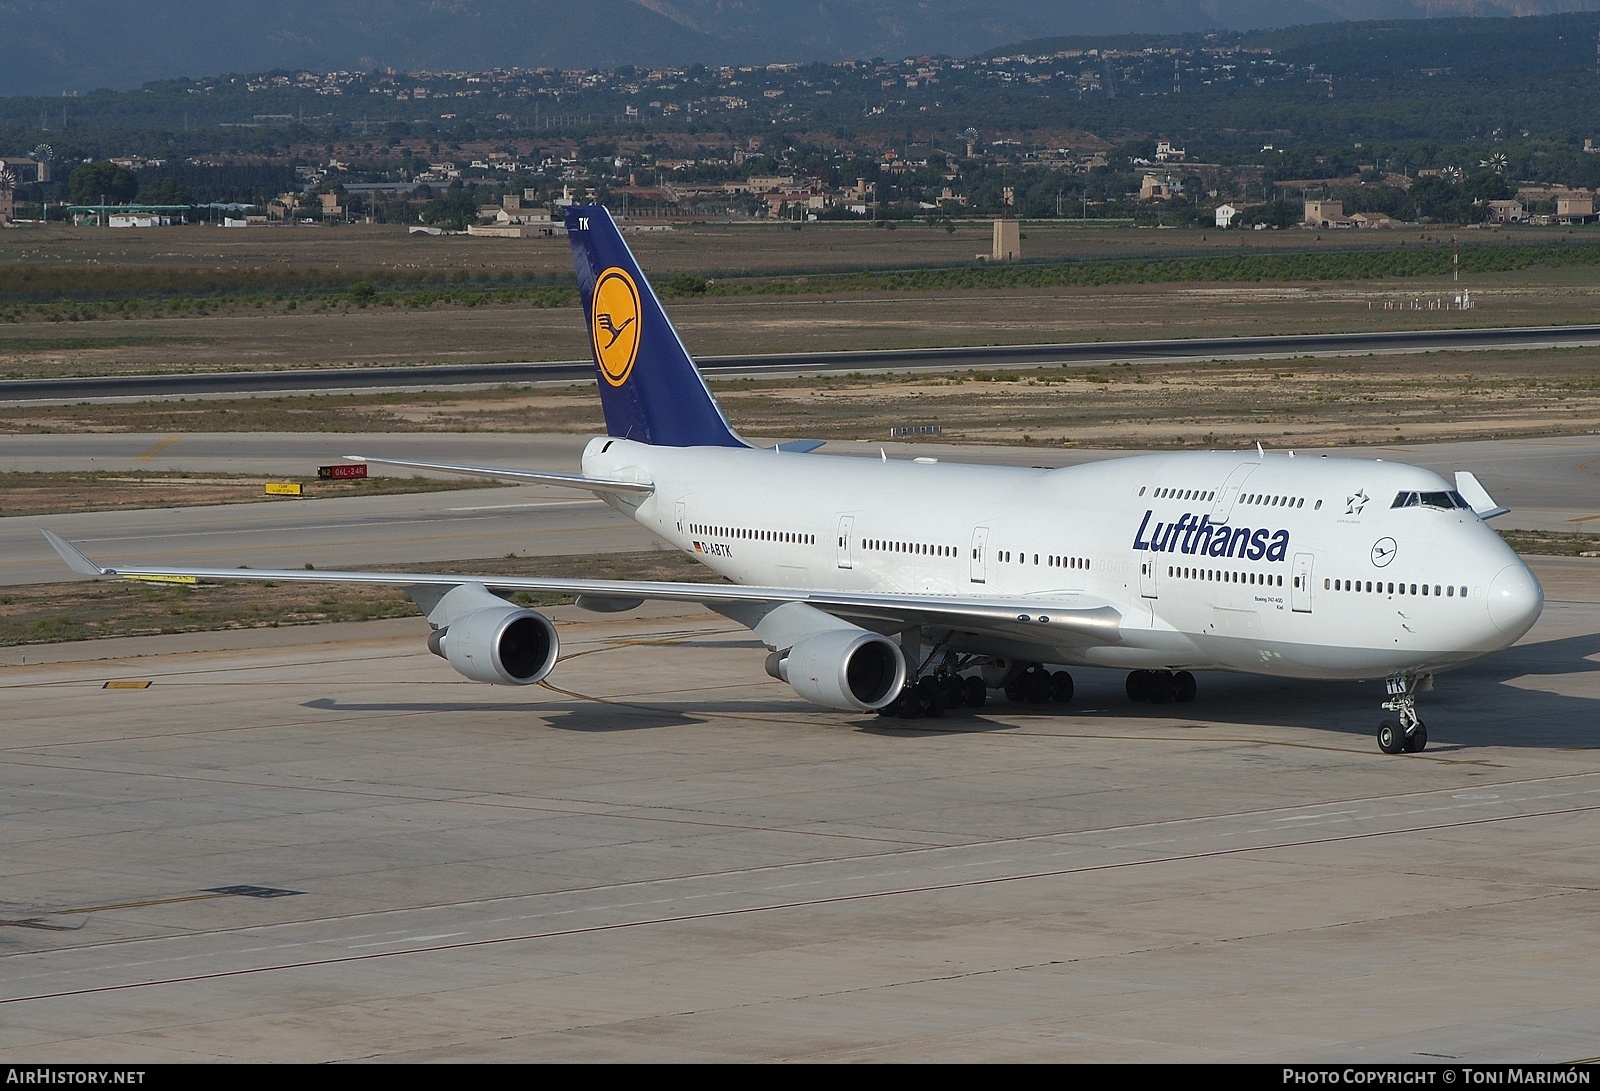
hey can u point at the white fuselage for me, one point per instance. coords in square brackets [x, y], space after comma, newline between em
[1299, 567]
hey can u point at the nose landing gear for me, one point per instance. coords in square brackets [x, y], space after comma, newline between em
[1407, 734]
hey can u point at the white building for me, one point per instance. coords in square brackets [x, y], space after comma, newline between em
[1225, 215]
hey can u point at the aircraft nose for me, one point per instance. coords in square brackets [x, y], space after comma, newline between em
[1515, 599]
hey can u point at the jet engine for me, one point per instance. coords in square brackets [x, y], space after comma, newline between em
[845, 668]
[503, 645]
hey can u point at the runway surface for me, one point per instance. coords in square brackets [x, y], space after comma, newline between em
[442, 376]
[321, 844]
[1550, 484]
[340, 851]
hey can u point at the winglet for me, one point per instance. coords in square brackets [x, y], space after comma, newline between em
[1476, 496]
[71, 554]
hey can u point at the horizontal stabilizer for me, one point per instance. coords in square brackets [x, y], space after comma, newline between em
[535, 477]
[1477, 497]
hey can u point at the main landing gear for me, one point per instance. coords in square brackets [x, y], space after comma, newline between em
[1407, 734]
[934, 694]
[1036, 685]
[1160, 687]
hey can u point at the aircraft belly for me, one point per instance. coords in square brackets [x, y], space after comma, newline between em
[1297, 659]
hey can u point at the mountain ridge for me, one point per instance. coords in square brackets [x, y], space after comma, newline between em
[64, 46]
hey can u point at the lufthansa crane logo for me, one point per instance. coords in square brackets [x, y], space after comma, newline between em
[615, 325]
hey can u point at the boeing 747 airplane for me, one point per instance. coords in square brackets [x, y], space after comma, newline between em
[909, 587]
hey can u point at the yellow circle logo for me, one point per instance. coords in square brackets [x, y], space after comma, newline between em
[615, 325]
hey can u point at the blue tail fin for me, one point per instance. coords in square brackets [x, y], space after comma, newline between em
[649, 387]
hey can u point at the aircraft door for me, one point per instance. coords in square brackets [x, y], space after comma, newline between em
[678, 513]
[1223, 507]
[847, 525]
[1300, 591]
[980, 554]
[1147, 575]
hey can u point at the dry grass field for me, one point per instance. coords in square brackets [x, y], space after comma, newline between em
[1296, 403]
[1301, 402]
[717, 326]
[704, 249]
[243, 335]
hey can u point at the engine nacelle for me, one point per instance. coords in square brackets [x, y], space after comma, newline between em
[503, 645]
[846, 668]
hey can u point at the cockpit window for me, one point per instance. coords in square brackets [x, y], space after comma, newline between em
[1442, 501]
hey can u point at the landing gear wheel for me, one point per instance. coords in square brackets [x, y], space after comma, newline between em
[1407, 734]
[932, 696]
[977, 692]
[1161, 687]
[1184, 687]
[909, 705]
[1061, 687]
[1039, 686]
[1391, 740]
[1138, 685]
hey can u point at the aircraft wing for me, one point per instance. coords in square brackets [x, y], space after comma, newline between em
[536, 477]
[1067, 619]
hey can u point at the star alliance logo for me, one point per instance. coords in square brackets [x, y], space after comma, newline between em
[1354, 503]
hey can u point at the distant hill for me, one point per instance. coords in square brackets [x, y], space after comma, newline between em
[51, 46]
